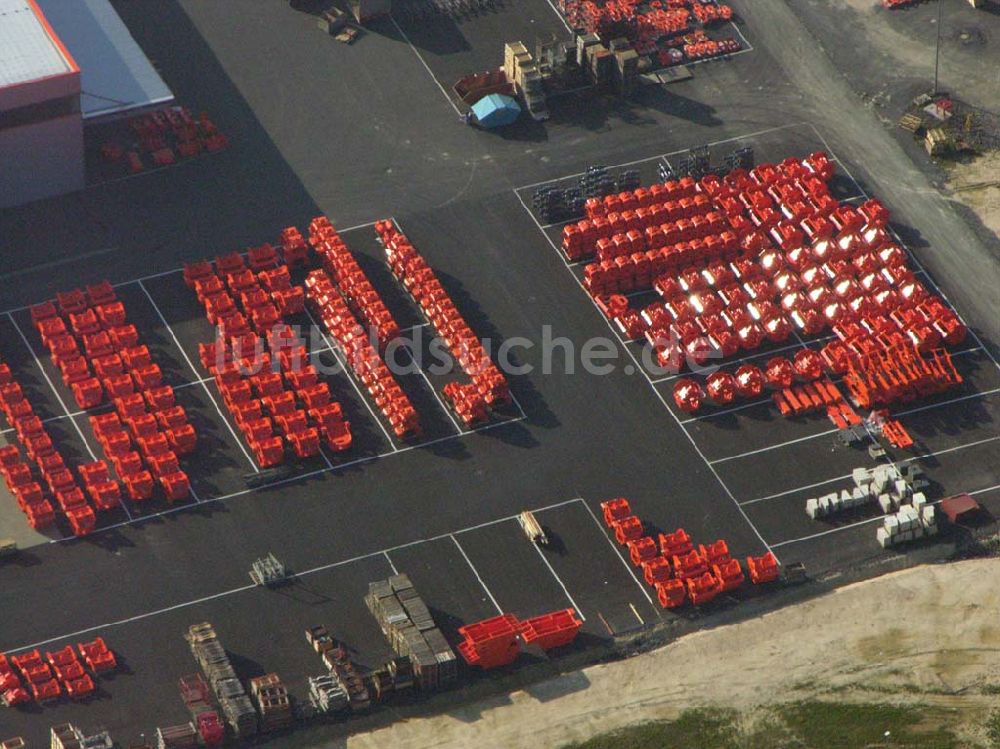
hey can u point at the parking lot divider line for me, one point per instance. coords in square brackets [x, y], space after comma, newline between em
[475, 571]
[194, 371]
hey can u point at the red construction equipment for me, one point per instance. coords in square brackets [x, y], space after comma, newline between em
[615, 509]
[490, 643]
[675, 544]
[899, 373]
[553, 630]
[671, 593]
[97, 656]
[627, 529]
[763, 569]
[488, 384]
[703, 588]
[351, 281]
[688, 395]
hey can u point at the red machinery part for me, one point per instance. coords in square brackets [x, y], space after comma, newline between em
[763, 569]
[490, 643]
[551, 630]
[615, 509]
[749, 381]
[779, 373]
[721, 388]
[674, 544]
[688, 395]
[671, 593]
[808, 365]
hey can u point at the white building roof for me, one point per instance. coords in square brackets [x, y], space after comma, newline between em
[29, 51]
[116, 75]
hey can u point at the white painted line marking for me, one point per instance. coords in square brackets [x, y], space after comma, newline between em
[845, 477]
[303, 476]
[561, 18]
[159, 313]
[918, 409]
[656, 392]
[52, 386]
[617, 553]
[392, 565]
[475, 571]
[868, 521]
[724, 411]
[243, 588]
[334, 348]
[426, 66]
[636, 612]
[562, 585]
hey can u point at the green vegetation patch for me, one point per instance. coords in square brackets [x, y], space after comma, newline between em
[799, 725]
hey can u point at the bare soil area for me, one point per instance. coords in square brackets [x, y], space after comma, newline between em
[928, 635]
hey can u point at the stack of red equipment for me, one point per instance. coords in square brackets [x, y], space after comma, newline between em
[12, 691]
[38, 674]
[798, 261]
[75, 681]
[98, 657]
[671, 564]
[329, 306]
[488, 387]
[41, 451]
[274, 395]
[552, 630]
[352, 282]
[899, 374]
[58, 672]
[146, 415]
[491, 642]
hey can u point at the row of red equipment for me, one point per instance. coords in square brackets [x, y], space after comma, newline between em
[497, 642]
[191, 136]
[145, 407]
[329, 306]
[58, 672]
[41, 451]
[488, 387]
[336, 317]
[749, 381]
[674, 567]
[351, 281]
[297, 404]
[237, 297]
[655, 26]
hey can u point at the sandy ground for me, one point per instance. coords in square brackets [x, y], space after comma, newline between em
[928, 634]
[984, 200]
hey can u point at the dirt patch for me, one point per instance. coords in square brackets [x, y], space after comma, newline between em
[976, 184]
[926, 635]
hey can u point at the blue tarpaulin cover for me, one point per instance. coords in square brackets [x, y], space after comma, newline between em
[496, 110]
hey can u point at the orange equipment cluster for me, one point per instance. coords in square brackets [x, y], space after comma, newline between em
[497, 642]
[115, 365]
[29, 677]
[351, 281]
[330, 307]
[677, 569]
[798, 260]
[159, 133]
[262, 371]
[662, 27]
[786, 258]
[899, 373]
[41, 451]
[488, 387]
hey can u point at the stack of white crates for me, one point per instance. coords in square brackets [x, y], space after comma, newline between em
[869, 484]
[911, 522]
